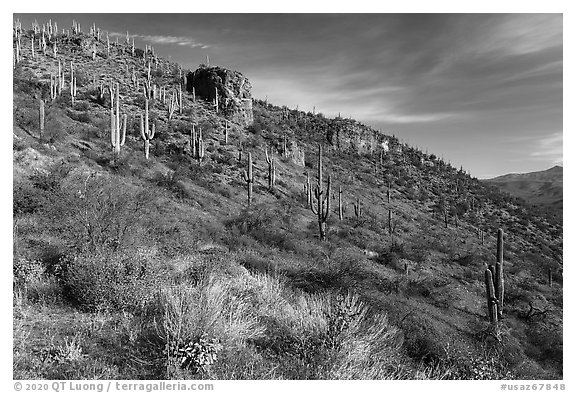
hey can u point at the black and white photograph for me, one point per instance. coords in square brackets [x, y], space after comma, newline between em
[210, 197]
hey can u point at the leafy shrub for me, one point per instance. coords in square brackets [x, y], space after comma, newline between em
[198, 355]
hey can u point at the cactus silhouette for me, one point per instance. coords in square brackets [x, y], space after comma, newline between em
[249, 178]
[322, 208]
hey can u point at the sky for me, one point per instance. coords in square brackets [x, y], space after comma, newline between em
[484, 91]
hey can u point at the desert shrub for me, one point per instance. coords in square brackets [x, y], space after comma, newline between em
[422, 340]
[26, 271]
[96, 212]
[172, 180]
[32, 281]
[545, 343]
[256, 263]
[205, 318]
[26, 199]
[26, 82]
[466, 259]
[110, 280]
[255, 128]
[82, 78]
[51, 180]
[264, 222]
[82, 116]
[365, 345]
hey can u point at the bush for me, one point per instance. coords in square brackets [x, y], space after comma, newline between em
[26, 199]
[207, 317]
[96, 212]
[263, 222]
[110, 280]
[365, 345]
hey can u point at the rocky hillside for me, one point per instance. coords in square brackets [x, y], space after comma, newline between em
[220, 254]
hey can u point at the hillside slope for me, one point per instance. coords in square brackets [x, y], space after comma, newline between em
[134, 268]
[538, 188]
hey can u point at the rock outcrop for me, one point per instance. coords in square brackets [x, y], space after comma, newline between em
[233, 89]
[349, 135]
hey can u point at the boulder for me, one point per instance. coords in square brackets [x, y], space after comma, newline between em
[233, 89]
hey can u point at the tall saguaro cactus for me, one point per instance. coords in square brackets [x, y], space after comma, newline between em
[249, 178]
[117, 138]
[308, 190]
[271, 170]
[146, 132]
[322, 208]
[197, 144]
[73, 90]
[41, 118]
[357, 208]
[340, 207]
[494, 277]
[499, 279]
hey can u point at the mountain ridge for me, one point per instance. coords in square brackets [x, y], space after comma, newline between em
[543, 188]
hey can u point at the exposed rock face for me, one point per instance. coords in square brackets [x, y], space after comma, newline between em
[349, 135]
[234, 91]
[296, 153]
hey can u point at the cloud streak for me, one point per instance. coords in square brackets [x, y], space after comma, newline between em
[166, 40]
[550, 148]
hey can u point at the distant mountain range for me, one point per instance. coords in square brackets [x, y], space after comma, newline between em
[539, 188]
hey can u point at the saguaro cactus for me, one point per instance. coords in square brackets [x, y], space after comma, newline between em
[41, 118]
[390, 221]
[225, 131]
[357, 208]
[271, 170]
[340, 207]
[117, 139]
[53, 87]
[308, 191]
[499, 279]
[180, 104]
[322, 208]
[146, 132]
[73, 90]
[490, 297]
[197, 144]
[249, 178]
[285, 152]
[171, 106]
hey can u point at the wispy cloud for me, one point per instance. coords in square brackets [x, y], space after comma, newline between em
[549, 148]
[166, 40]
